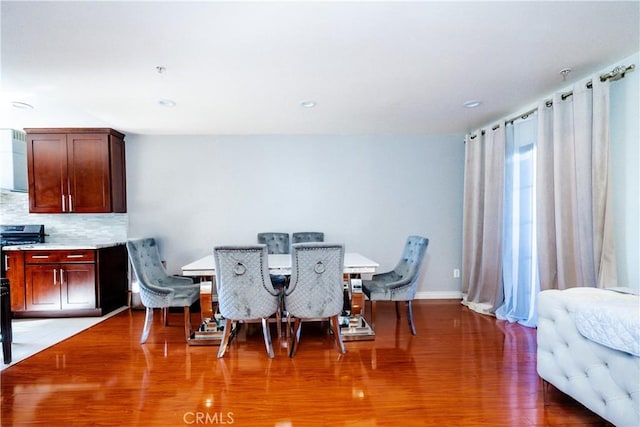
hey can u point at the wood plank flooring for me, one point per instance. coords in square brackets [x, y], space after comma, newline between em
[462, 369]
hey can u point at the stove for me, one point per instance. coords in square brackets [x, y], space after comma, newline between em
[11, 235]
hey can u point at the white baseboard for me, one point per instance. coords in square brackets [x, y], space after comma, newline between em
[439, 295]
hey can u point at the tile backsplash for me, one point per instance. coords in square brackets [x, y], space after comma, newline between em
[63, 228]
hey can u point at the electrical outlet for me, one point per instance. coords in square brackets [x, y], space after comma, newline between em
[456, 273]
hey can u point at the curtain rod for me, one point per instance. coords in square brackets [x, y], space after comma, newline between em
[616, 74]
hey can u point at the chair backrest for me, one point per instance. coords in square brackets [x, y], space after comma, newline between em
[145, 260]
[316, 286]
[412, 255]
[307, 236]
[277, 243]
[244, 288]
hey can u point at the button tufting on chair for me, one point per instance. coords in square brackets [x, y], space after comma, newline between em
[157, 288]
[399, 284]
[245, 291]
[316, 289]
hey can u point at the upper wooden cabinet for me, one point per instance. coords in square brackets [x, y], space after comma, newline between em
[76, 170]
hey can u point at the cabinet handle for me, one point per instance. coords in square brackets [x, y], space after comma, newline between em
[6, 262]
[70, 203]
[64, 205]
[61, 276]
[75, 256]
[40, 256]
[55, 278]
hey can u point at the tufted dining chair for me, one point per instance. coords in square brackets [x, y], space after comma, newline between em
[277, 243]
[399, 284]
[316, 288]
[245, 292]
[307, 236]
[157, 288]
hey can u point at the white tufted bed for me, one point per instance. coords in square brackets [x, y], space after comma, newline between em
[589, 348]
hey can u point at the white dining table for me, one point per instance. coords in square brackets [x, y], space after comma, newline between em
[354, 263]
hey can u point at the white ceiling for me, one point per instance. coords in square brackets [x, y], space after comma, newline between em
[243, 68]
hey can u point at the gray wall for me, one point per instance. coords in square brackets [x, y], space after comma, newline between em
[368, 192]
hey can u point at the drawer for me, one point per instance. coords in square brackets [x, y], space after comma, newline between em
[48, 257]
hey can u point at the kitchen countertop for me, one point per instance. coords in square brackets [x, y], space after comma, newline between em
[62, 246]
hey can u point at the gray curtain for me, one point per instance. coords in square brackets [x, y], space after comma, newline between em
[482, 220]
[574, 205]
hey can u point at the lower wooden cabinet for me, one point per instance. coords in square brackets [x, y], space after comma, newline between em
[14, 271]
[60, 286]
[62, 283]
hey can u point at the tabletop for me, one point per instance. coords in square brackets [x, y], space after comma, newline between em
[281, 264]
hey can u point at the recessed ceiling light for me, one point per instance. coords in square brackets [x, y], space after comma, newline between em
[308, 104]
[471, 104]
[21, 105]
[167, 103]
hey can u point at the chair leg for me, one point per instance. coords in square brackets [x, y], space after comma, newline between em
[410, 317]
[295, 337]
[279, 322]
[373, 314]
[187, 322]
[397, 310]
[267, 337]
[224, 342]
[288, 327]
[148, 320]
[335, 324]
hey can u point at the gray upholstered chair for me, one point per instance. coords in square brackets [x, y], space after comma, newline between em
[245, 292]
[399, 284]
[316, 288]
[307, 236]
[277, 243]
[157, 288]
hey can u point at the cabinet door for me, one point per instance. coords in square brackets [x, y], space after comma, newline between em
[118, 174]
[88, 171]
[47, 165]
[14, 271]
[78, 286]
[43, 287]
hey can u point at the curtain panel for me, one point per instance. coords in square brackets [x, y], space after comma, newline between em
[574, 204]
[482, 220]
[573, 201]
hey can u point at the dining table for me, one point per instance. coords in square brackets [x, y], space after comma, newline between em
[354, 326]
[354, 263]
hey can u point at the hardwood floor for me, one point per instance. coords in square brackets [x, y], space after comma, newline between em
[462, 369]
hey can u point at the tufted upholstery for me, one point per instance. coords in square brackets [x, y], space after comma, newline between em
[244, 289]
[605, 380]
[399, 284]
[316, 289]
[157, 288]
[277, 243]
[307, 236]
